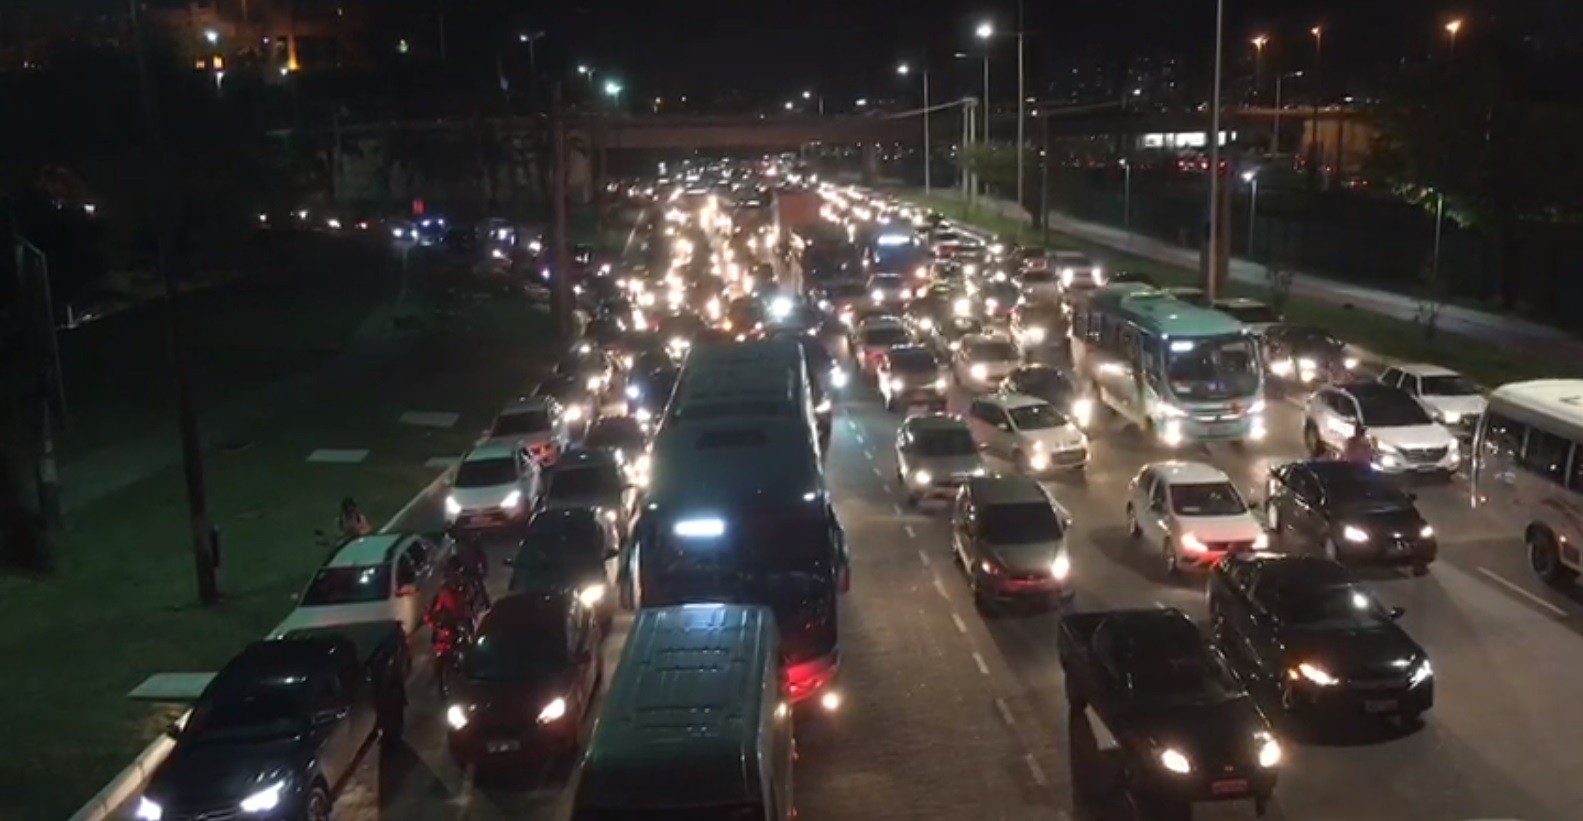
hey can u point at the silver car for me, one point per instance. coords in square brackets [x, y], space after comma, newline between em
[935, 455]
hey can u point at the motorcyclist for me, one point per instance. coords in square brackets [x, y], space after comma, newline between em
[352, 523]
[1359, 448]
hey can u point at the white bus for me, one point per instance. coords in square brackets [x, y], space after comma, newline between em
[1528, 470]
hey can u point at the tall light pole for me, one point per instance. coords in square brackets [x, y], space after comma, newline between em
[1212, 269]
[613, 89]
[1315, 150]
[1275, 131]
[819, 99]
[1251, 177]
[1022, 101]
[1452, 29]
[904, 70]
[1259, 42]
[528, 38]
[1434, 261]
[985, 31]
[1126, 197]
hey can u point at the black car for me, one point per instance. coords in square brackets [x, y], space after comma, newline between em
[571, 390]
[648, 390]
[1348, 511]
[528, 681]
[1305, 354]
[595, 479]
[1053, 386]
[1299, 629]
[572, 550]
[910, 375]
[622, 434]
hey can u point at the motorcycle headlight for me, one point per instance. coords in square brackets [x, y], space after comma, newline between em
[553, 711]
[1269, 750]
[264, 800]
[456, 716]
[1175, 760]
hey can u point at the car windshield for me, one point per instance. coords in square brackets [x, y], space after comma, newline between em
[945, 442]
[1036, 417]
[520, 423]
[348, 585]
[1020, 523]
[265, 708]
[885, 336]
[912, 361]
[1212, 370]
[1344, 607]
[491, 472]
[1312, 339]
[1042, 380]
[1251, 314]
[581, 482]
[992, 351]
[1038, 275]
[516, 653]
[1361, 487]
[888, 283]
[847, 291]
[1207, 499]
[621, 433]
[1447, 385]
[1182, 676]
[1391, 410]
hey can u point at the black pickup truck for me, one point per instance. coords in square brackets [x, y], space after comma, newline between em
[1184, 729]
[278, 730]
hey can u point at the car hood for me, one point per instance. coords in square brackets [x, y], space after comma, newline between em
[1459, 405]
[200, 775]
[512, 702]
[1061, 438]
[1239, 528]
[332, 615]
[1033, 557]
[1414, 436]
[1213, 733]
[942, 466]
[473, 498]
[1377, 652]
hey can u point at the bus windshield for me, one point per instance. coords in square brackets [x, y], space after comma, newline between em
[1212, 369]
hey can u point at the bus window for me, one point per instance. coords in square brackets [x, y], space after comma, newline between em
[1545, 454]
[1503, 436]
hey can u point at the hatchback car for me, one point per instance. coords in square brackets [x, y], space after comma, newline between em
[1030, 432]
[1190, 513]
[496, 484]
[1405, 438]
[1009, 535]
[876, 336]
[528, 682]
[1349, 512]
[380, 577]
[983, 361]
[909, 375]
[935, 455]
[1053, 386]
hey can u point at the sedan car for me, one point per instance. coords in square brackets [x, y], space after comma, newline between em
[1304, 354]
[935, 455]
[596, 479]
[1190, 513]
[540, 426]
[626, 437]
[876, 336]
[997, 299]
[527, 682]
[888, 290]
[1053, 386]
[495, 485]
[1300, 630]
[1038, 326]
[1009, 534]
[648, 390]
[1030, 432]
[909, 375]
[982, 361]
[572, 550]
[1348, 511]
[380, 577]
[1405, 438]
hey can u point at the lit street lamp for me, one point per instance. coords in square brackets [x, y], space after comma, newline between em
[1259, 42]
[1251, 177]
[613, 90]
[212, 36]
[790, 105]
[809, 95]
[985, 31]
[903, 70]
[1452, 29]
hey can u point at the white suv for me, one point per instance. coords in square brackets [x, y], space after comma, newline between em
[1451, 398]
[1404, 436]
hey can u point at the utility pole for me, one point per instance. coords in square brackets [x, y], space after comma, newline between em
[48, 393]
[1044, 182]
[927, 157]
[205, 557]
[1212, 244]
[1022, 101]
[560, 275]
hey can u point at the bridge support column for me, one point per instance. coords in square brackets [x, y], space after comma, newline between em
[870, 164]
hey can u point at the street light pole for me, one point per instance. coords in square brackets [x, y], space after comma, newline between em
[1252, 178]
[1212, 269]
[1044, 180]
[927, 157]
[1022, 101]
[1126, 197]
[1275, 132]
[1434, 260]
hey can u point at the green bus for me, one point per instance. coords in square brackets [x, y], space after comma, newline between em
[694, 726]
[1177, 371]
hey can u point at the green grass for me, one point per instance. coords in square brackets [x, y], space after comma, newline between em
[1386, 336]
[122, 604]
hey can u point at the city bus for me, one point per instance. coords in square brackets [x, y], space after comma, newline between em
[738, 512]
[1527, 470]
[1179, 372]
[694, 726]
[766, 378]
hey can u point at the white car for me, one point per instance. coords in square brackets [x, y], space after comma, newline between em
[1191, 514]
[1076, 271]
[874, 337]
[538, 425]
[981, 361]
[1030, 432]
[1451, 398]
[1404, 436]
[379, 577]
[496, 484]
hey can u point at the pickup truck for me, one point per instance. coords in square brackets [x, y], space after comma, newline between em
[1184, 730]
[278, 730]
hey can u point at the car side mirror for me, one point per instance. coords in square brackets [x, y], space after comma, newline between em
[1397, 612]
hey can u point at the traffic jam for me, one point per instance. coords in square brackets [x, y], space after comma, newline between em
[640, 586]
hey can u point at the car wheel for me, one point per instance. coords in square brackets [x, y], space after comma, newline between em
[1316, 448]
[317, 807]
[1134, 530]
[1545, 558]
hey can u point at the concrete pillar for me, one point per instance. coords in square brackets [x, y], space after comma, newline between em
[870, 164]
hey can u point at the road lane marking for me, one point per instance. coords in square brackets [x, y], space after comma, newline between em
[961, 626]
[875, 468]
[1512, 586]
[911, 534]
[897, 508]
[868, 453]
[1036, 771]
[442, 462]
[939, 587]
[1005, 712]
[427, 419]
[979, 660]
[859, 436]
[338, 457]
[923, 557]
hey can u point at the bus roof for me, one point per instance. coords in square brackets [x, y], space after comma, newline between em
[724, 459]
[1543, 400]
[1163, 315]
[739, 379]
[685, 710]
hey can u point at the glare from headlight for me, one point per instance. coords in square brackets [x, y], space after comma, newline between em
[456, 716]
[1426, 532]
[574, 413]
[512, 499]
[1083, 410]
[595, 383]
[939, 383]
[838, 377]
[264, 800]
[1317, 675]
[1281, 367]
[1172, 759]
[1354, 534]
[1422, 673]
[1061, 567]
[1261, 541]
[979, 371]
[552, 711]
[878, 295]
[922, 477]
[1034, 335]
[633, 392]
[148, 810]
[896, 384]
[591, 595]
[1351, 363]
[453, 507]
[1269, 751]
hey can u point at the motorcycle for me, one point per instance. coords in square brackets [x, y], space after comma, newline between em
[449, 638]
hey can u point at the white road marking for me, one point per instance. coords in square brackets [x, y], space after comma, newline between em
[979, 661]
[897, 508]
[881, 476]
[430, 419]
[911, 534]
[1005, 712]
[858, 436]
[1037, 772]
[442, 462]
[338, 457]
[961, 626]
[869, 454]
[939, 587]
[1512, 586]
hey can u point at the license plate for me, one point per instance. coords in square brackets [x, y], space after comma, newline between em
[1383, 705]
[1230, 786]
[510, 746]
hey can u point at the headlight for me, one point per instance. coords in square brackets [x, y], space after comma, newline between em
[456, 716]
[1034, 335]
[1038, 461]
[595, 383]
[552, 711]
[922, 477]
[1172, 759]
[897, 384]
[574, 413]
[1422, 673]
[991, 304]
[264, 800]
[1099, 276]
[680, 344]
[926, 323]
[1261, 541]
[1356, 535]
[838, 377]
[1350, 363]
[452, 507]
[961, 307]
[591, 595]
[512, 499]
[939, 383]
[1192, 543]
[1269, 750]
[148, 810]
[634, 392]
[922, 272]
[1281, 367]
[1451, 418]
[878, 295]
[1083, 410]
[1061, 567]
[1066, 276]
[823, 406]
[1317, 675]
[643, 414]
[979, 371]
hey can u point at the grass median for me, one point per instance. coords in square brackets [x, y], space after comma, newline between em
[122, 604]
[1487, 363]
